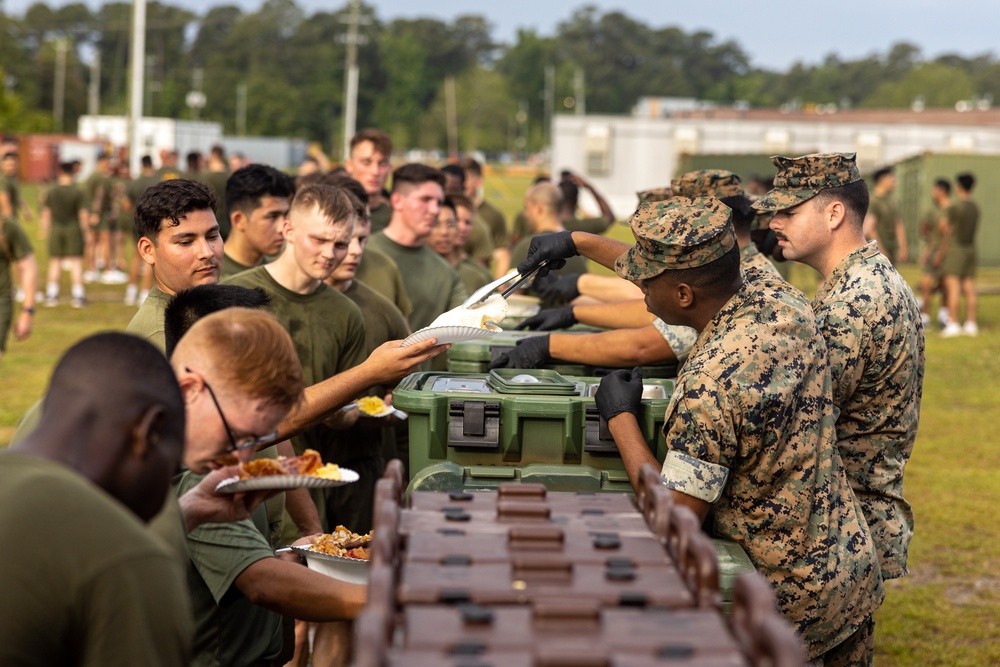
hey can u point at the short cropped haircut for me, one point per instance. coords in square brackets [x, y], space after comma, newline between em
[170, 200]
[308, 179]
[415, 173]
[132, 376]
[546, 194]
[67, 168]
[147, 162]
[880, 173]
[455, 171]
[714, 277]
[472, 166]
[462, 200]
[334, 203]
[742, 212]
[193, 160]
[967, 181]
[190, 305]
[449, 203]
[854, 196]
[250, 353]
[359, 196]
[944, 185]
[570, 194]
[246, 186]
[218, 151]
[379, 139]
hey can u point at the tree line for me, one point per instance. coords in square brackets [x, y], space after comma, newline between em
[291, 67]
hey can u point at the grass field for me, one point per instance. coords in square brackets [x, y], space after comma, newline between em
[947, 612]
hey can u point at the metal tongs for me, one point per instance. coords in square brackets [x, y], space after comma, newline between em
[484, 292]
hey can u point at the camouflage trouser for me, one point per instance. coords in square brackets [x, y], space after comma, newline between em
[858, 650]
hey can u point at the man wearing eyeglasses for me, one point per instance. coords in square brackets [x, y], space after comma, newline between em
[239, 374]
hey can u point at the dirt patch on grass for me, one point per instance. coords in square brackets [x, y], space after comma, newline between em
[958, 591]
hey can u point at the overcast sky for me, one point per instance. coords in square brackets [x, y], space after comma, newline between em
[774, 38]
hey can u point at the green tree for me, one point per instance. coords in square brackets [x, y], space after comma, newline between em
[937, 84]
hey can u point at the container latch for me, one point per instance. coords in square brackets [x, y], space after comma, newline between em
[474, 424]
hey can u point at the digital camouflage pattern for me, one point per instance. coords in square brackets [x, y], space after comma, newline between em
[680, 339]
[800, 179]
[654, 195]
[716, 183]
[679, 233]
[875, 339]
[694, 477]
[755, 397]
[751, 257]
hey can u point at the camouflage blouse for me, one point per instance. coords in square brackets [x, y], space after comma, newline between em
[875, 339]
[750, 429]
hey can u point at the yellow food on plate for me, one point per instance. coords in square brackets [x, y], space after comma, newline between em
[327, 471]
[371, 405]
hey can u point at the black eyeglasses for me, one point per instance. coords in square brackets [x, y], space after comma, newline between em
[248, 442]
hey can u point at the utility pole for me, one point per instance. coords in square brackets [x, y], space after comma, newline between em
[352, 39]
[241, 109]
[59, 84]
[550, 95]
[138, 80]
[451, 111]
[94, 90]
[579, 93]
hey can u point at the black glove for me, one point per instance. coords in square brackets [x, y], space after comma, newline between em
[548, 320]
[555, 289]
[529, 353]
[555, 247]
[620, 392]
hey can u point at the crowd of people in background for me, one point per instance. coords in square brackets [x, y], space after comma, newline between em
[346, 263]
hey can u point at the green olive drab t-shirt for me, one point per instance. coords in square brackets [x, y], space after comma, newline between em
[379, 271]
[326, 327]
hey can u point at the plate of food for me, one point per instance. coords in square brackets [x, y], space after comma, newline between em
[287, 472]
[463, 323]
[341, 554]
[373, 406]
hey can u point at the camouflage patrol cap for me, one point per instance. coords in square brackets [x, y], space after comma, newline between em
[707, 183]
[800, 179]
[654, 194]
[679, 233]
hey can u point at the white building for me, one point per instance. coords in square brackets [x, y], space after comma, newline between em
[157, 134]
[621, 155]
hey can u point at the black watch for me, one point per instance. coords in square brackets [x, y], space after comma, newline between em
[29, 310]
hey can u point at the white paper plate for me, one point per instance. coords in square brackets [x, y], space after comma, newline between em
[448, 335]
[351, 570]
[284, 482]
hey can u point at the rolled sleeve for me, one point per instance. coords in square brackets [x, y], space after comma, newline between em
[693, 477]
[680, 339]
[701, 439]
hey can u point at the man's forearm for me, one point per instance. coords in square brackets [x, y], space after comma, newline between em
[324, 398]
[620, 348]
[601, 249]
[292, 589]
[623, 315]
[607, 288]
[632, 446]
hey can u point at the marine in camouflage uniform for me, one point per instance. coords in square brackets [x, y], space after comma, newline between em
[871, 323]
[750, 427]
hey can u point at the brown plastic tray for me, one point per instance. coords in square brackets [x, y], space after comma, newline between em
[541, 577]
[594, 547]
[474, 628]
[558, 502]
[510, 514]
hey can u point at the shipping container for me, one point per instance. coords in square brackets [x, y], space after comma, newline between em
[914, 179]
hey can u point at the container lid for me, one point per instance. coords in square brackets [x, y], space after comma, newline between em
[531, 381]
[466, 385]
